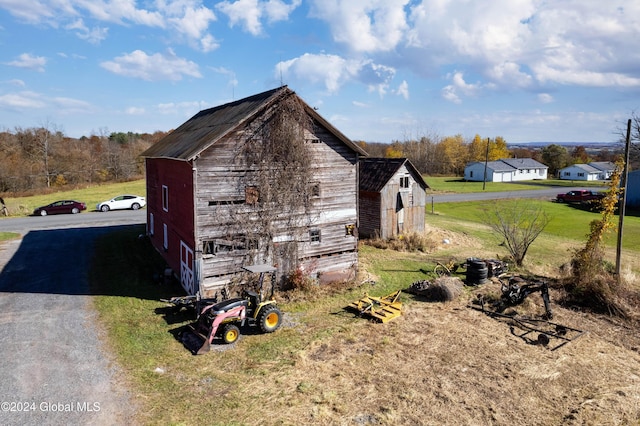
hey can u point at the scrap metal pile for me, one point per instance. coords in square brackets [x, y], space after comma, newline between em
[514, 292]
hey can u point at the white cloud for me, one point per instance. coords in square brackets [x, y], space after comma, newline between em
[248, 13]
[545, 98]
[28, 100]
[28, 61]
[333, 71]
[460, 87]
[154, 67]
[364, 25]
[403, 90]
[22, 100]
[93, 36]
[135, 111]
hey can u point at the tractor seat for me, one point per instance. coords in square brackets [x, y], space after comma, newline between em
[226, 305]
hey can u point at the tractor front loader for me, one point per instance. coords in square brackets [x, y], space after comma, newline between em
[225, 319]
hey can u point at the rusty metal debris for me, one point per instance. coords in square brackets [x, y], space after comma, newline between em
[513, 293]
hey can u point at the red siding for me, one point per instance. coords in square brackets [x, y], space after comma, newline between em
[177, 177]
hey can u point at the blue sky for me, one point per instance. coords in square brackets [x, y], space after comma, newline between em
[378, 70]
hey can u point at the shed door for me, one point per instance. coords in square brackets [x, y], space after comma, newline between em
[186, 268]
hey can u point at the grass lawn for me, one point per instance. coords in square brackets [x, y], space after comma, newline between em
[91, 195]
[453, 184]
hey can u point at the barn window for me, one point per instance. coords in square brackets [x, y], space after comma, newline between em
[236, 243]
[315, 189]
[314, 235]
[165, 198]
[404, 182]
[150, 225]
[165, 240]
[251, 195]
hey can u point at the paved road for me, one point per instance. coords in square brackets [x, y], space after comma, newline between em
[549, 193]
[54, 367]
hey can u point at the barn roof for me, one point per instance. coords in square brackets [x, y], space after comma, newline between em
[376, 172]
[210, 125]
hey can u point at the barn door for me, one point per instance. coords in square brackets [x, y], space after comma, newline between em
[186, 268]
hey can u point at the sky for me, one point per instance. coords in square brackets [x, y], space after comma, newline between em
[378, 70]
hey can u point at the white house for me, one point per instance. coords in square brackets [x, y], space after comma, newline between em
[599, 170]
[506, 170]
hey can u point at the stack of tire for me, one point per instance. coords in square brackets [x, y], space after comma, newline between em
[477, 271]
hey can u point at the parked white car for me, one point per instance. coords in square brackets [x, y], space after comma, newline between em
[121, 202]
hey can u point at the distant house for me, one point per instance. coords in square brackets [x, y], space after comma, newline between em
[633, 189]
[223, 193]
[392, 198]
[600, 170]
[505, 170]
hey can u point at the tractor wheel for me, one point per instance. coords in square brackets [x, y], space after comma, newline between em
[269, 319]
[230, 333]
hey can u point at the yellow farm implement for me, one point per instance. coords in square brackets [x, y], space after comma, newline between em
[381, 309]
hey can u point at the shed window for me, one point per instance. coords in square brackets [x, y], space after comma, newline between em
[581, 174]
[404, 182]
[165, 198]
[314, 235]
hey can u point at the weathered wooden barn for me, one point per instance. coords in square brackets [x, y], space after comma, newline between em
[262, 180]
[392, 198]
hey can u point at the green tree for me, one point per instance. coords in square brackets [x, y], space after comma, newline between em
[555, 157]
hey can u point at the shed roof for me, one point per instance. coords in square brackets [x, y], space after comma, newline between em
[210, 125]
[375, 173]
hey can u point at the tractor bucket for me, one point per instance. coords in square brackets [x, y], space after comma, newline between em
[206, 347]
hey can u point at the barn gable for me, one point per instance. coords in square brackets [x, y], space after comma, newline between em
[228, 218]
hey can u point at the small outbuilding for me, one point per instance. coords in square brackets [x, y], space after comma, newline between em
[392, 198]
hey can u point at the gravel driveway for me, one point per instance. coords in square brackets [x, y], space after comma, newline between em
[54, 367]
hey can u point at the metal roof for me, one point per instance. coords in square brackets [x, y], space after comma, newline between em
[523, 163]
[209, 126]
[376, 172]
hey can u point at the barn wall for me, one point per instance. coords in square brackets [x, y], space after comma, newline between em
[177, 177]
[223, 213]
[369, 216]
[413, 202]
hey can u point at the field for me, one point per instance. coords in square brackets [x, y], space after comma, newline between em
[440, 363]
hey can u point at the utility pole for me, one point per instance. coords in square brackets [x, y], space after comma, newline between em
[622, 203]
[486, 160]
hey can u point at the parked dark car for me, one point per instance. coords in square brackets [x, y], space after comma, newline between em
[59, 207]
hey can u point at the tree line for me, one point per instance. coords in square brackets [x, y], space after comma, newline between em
[448, 156]
[39, 158]
[43, 157]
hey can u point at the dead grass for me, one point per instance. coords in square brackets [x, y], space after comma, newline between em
[437, 364]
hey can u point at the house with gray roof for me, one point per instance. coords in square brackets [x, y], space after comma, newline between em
[505, 170]
[597, 170]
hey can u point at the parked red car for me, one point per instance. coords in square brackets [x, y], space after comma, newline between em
[59, 207]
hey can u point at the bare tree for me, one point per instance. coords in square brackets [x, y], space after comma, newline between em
[518, 222]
